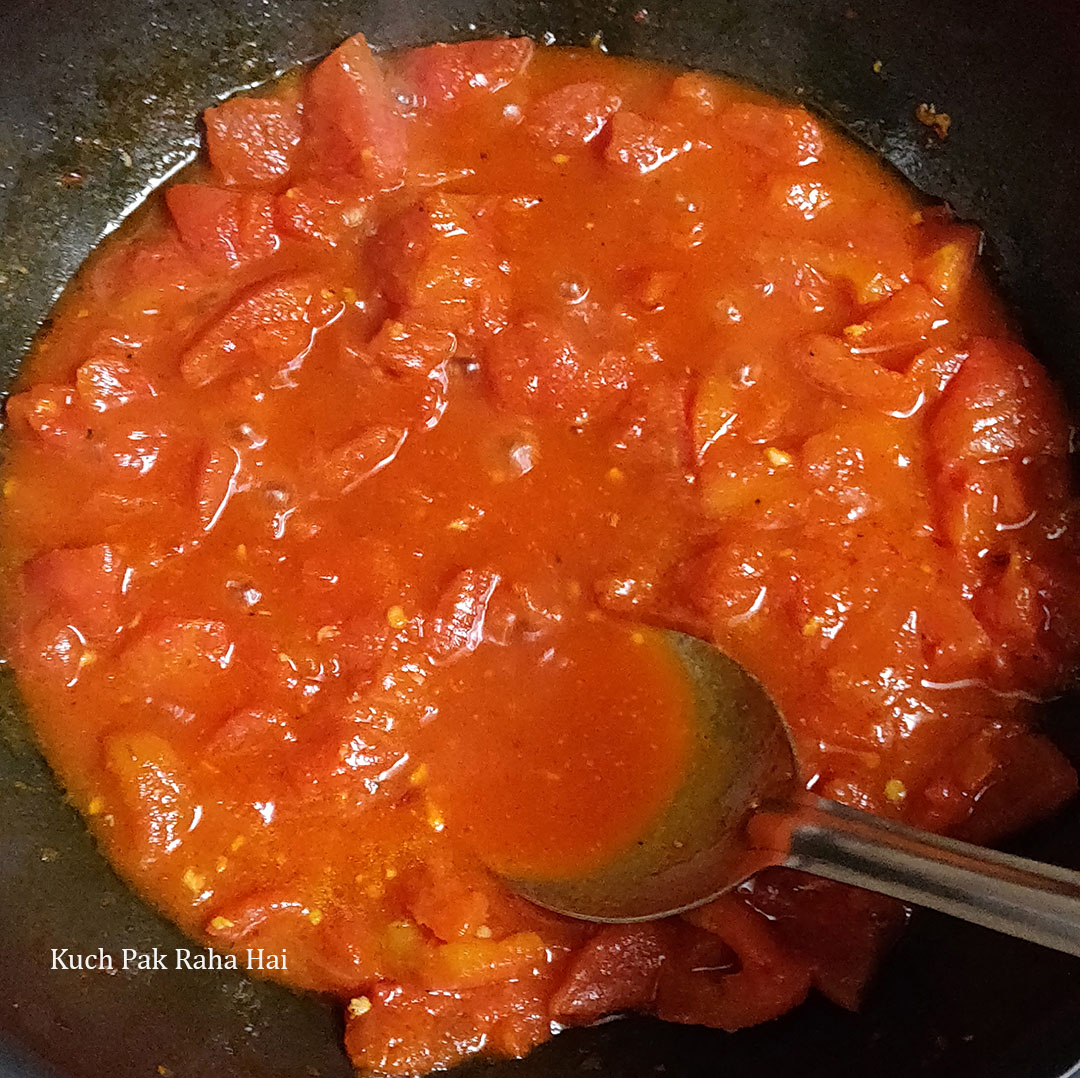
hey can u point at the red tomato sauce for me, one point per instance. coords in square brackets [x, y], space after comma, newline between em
[439, 356]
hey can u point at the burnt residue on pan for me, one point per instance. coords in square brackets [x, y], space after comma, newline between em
[99, 101]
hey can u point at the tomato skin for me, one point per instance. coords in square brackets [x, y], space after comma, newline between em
[253, 140]
[351, 126]
[446, 75]
[223, 227]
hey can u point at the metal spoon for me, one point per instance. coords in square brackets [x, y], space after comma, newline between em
[742, 808]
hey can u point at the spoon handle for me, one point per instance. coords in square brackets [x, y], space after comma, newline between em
[1014, 895]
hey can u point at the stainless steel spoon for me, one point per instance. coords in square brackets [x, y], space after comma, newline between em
[741, 808]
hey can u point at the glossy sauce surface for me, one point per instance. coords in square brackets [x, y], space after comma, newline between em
[440, 356]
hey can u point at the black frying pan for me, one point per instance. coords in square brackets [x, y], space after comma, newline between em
[98, 99]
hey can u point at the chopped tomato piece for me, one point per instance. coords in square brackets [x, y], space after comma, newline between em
[449, 899]
[83, 586]
[857, 378]
[695, 91]
[658, 423]
[110, 382]
[55, 652]
[253, 140]
[223, 226]
[321, 211]
[271, 326]
[351, 124]
[474, 963]
[572, 115]
[1001, 779]
[254, 732]
[183, 665]
[54, 414]
[617, 970]
[790, 136]
[412, 347]
[639, 146]
[999, 404]
[408, 1031]
[444, 75]
[157, 810]
[768, 981]
[444, 265]
[538, 368]
[840, 931]
[896, 328]
[948, 267]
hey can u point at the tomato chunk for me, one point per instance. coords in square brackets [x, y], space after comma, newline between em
[639, 146]
[322, 211]
[790, 136]
[572, 115]
[111, 382]
[253, 140]
[444, 266]
[54, 414]
[768, 982]
[464, 964]
[350, 122]
[222, 226]
[840, 931]
[157, 808]
[412, 347]
[534, 367]
[361, 457]
[184, 664]
[271, 326]
[617, 970]
[444, 75]
[83, 586]
[999, 404]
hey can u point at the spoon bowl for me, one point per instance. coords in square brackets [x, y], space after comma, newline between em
[741, 807]
[741, 756]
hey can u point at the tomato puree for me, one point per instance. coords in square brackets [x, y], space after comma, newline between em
[345, 465]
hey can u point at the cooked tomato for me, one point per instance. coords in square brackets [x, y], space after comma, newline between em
[338, 491]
